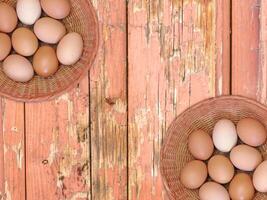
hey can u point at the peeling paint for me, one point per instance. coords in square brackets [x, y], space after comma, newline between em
[71, 129]
[80, 195]
[18, 149]
[174, 58]
[120, 106]
[5, 149]
[68, 162]
[140, 117]
[64, 97]
[7, 192]
[14, 129]
[52, 153]
[220, 86]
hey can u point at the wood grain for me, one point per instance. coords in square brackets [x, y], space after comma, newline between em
[246, 69]
[108, 104]
[223, 47]
[57, 147]
[94, 142]
[262, 81]
[2, 161]
[12, 146]
[172, 59]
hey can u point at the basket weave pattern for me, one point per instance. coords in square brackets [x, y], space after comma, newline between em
[82, 19]
[204, 115]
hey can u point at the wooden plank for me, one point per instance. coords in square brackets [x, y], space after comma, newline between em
[57, 147]
[223, 47]
[12, 155]
[172, 59]
[108, 104]
[13, 138]
[246, 69]
[2, 161]
[262, 81]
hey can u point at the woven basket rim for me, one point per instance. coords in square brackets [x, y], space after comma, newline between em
[194, 106]
[54, 95]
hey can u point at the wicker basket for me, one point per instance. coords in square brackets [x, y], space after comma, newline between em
[83, 20]
[204, 115]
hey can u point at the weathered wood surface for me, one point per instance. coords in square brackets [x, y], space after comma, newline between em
[108, 104]
[246, 71]
[101, 141]
[262, 82]
[223, 47]
[57, 147]
[12, 151]
[172, 65]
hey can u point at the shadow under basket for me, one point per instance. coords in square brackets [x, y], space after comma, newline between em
[204, 115]
[83, 20]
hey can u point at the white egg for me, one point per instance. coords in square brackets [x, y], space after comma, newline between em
[28, 11]
[224, 135]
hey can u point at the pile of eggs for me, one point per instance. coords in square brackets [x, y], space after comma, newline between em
[236, 170]
[40, 42]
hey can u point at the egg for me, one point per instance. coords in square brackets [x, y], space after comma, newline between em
[28, 11]
[251, 132]
[49, 30]
[260, 177]
[200, 145]
[245, 158]
[241, 187]
[224, 135]
[70, 49]
[24, 41]
[212, 191]
[221, 169]
[194, 174]
[5, 46]
[45, 62]
[58, 9]
[18, 68]
[8, 18]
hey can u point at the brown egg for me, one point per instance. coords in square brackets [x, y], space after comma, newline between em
[251, 132]
[58, 9]
[18, 68]
[5, 46]
[221, 169]
[260, 177]
[8, 18]
[45, 62]
[49, 30]
[245, 158]
[70, 48]
[241, 187]
[213, 191]
[200, 145]
[194, 174]
[24, 41]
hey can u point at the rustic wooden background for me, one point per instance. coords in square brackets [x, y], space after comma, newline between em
[102, 140]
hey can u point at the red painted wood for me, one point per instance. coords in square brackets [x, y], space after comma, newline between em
[223, 44]
[108, 104]
[2, 161]
[57, 147]
[179, 54]
[12, 163]
[246, 70]
[172, 65]
[14, 158]
[262, 78]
